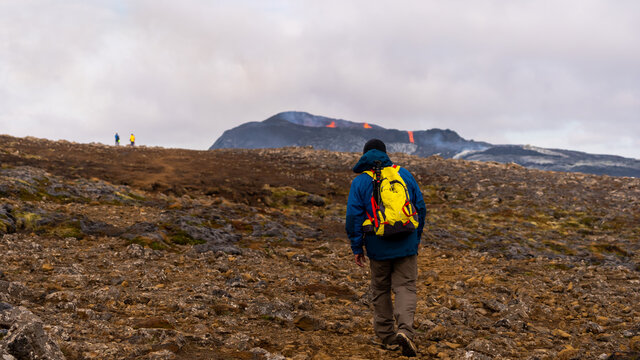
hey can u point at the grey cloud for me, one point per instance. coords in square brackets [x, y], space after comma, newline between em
[180, 73]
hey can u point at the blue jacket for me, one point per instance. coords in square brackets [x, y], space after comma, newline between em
[360, 201]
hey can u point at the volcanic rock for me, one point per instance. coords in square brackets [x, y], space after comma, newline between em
[105, 255]
[25, 337]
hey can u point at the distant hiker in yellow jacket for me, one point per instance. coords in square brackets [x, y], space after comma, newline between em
[132, 139]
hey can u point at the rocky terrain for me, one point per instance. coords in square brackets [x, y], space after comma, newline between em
[294, 128]
[152, 253]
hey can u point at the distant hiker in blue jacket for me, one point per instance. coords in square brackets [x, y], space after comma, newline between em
[392, 258]
[117, 139]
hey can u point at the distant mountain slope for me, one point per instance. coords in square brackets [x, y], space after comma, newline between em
[557, 160]
[303, 129]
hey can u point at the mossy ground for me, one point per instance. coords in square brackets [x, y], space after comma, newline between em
[67, 229]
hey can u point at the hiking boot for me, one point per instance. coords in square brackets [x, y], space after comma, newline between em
[408, 347]
[391, 346]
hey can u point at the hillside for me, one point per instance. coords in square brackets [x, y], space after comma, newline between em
[152, 253]
[294, 128]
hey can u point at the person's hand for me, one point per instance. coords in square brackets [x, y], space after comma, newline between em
[360, 260]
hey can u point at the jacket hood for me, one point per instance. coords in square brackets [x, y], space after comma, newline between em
[367, 161]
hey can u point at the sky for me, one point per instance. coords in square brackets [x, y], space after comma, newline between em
[558, 74]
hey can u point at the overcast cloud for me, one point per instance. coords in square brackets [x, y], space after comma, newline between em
[561, 74]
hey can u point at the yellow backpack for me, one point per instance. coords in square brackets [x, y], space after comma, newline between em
[393, 211]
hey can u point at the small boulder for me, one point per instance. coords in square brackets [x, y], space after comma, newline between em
[307, 323]
[26, 338]
[315, 200]
[483, 346]
[594, 328]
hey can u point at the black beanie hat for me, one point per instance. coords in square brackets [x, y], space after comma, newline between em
[374, 144]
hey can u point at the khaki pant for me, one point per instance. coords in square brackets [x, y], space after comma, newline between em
[400, 276]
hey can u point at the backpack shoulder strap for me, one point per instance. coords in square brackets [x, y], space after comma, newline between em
[396, 168]
[392, 169]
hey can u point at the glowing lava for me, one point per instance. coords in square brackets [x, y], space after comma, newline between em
[332, 125]
[410, 136]
[366, 126]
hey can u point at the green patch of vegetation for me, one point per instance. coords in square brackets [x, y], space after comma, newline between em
[283, 191]
[560, 266]
[558, 247]
[475, 239]
[216, 224]
[26, 195]
[588, 221]
[124, 196]
[268, 251]
[559, 214]
[27, 220]
[44, 182]
[541, 220]
[505, 213]
[477, 216]
[610, 249]
[466, 242]
[181, 237]
[572, 224]
[32, 156]
[268, 317]
[38, 192]
[616, 223]
[177, 236]
[585, 232]
[320, 213]
[284, 196]
[194, 223]
[136, 196]
[238, 225]
[24, 182]
[156, 245]
[68, 229]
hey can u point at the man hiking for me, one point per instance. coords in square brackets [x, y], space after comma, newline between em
[132, 139]
[391, 238]
[117, 139]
